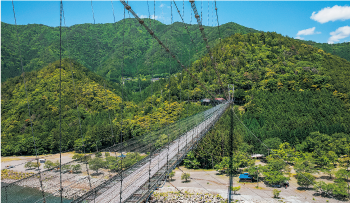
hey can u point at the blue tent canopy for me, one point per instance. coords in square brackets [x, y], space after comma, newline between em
[122, 156]
[245, 176]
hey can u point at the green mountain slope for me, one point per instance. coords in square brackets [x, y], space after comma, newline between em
[99, 47]
[287, 88]
[341, 49]
[94, 111]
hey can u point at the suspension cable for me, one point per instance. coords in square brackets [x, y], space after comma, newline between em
[201, 28]
[162, 44]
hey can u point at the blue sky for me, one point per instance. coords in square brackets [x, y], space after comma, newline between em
[310, 20]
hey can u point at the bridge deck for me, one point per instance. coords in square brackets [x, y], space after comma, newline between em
[141, 176]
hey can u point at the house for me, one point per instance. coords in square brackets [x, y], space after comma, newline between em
[220, 100]
[257, 156]
[245, 177]
[155, 79]
[205, 101]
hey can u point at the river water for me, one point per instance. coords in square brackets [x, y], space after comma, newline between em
[18, 194]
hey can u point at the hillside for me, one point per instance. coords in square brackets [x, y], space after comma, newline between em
[293, 97]
[286, 88]
[341, 49]
[43, 93]
[99, 47]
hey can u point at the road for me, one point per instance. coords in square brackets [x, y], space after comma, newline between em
[140, 176]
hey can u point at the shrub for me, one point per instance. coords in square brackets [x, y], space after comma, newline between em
[276, 193]
[185, 176]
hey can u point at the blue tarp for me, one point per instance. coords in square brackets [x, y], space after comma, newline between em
[245, 176]
[123, 156]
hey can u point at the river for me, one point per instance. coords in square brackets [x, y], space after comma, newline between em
[18, 194]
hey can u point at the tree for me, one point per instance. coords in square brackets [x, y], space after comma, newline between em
[235, 189]
[340, 189]
[305, 179]
[96, 163]
[342, 175]
[77, 156]
[66, 167]
[56, 165]
[185, 176]
[98, 154]
[36, 165]
[171, 175]
[326, 188]
[86, 158]
[329, 169]
[276, 193]
[76, 168]
[274, 177]
[29, 165]
[107, 154]
[48, 164]
[305, 163]
[191, 161]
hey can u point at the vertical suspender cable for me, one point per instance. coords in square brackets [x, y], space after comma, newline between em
[78, 113]
[122, 111]
[208, 12]
[231, 153]
[201, 10]
[217, 18]
[60, 109]
[31, 121]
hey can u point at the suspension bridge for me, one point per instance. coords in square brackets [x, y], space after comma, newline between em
[134, 183]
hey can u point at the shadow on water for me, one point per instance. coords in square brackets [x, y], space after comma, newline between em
[15, 193]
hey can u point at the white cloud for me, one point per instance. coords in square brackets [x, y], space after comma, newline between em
[152, 16]
[340, 33]
[310, 31]
[331, 14]
[161, 5]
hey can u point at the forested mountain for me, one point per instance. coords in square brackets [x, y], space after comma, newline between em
[98, 99]
[341, 49]
[99, 47]
[293, 97]
[286, 88]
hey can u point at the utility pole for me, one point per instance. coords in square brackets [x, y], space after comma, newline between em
[231, 154]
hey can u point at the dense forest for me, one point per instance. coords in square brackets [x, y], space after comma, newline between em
[286, 89]
[97, 100]
[99, 47]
